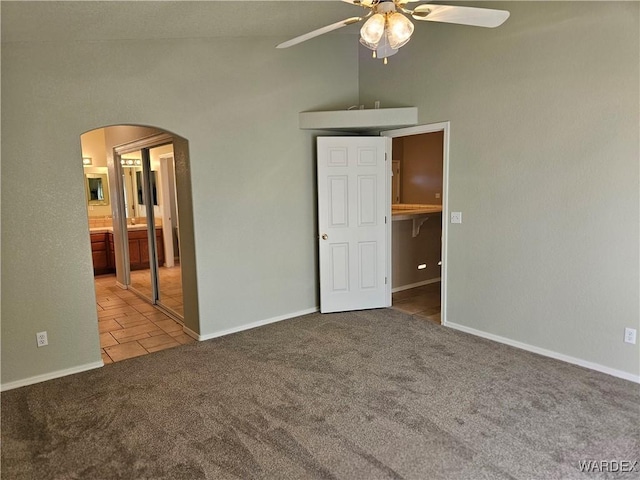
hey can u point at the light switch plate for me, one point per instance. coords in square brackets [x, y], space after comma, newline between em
[456, 217]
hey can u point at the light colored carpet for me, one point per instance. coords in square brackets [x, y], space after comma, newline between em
[361, 395]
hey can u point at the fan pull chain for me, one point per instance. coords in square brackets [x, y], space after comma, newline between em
[385, 60]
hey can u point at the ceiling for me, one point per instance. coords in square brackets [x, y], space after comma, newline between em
[24, 21]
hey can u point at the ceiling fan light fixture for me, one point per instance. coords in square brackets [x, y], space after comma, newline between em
[370, 46]
[384, 49]
[387, 25]
[373, 29]
[398, 29]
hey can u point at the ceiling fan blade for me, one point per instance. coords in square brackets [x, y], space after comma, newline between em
[319, 31]
[478, 17]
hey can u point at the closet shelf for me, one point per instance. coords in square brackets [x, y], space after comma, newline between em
[359, 120]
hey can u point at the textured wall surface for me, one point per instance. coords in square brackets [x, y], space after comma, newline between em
[544, 116]
[236, 101]
[544, 161]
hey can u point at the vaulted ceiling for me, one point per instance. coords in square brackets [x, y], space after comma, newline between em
[98, 20]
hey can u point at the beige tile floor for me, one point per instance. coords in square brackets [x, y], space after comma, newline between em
[170, 280]
[423, 302]
[129, 326]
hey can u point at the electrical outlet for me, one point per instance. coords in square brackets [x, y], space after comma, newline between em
[456, 217]
[41, 338]
[437, 195]
[630, 335]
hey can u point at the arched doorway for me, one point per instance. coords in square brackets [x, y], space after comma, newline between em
[140, 222]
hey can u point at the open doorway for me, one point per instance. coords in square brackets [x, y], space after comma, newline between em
[419, 165]
[135, 239]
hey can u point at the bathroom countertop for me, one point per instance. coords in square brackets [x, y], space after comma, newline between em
[138, 226]
[409, 211]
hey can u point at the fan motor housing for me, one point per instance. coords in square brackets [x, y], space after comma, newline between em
[385, 6]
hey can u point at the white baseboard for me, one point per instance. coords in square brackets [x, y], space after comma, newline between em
[50, 376]
[547, 353]
[415, 285]
[248, 326]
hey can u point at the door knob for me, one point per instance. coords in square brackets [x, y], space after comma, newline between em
[325, 236]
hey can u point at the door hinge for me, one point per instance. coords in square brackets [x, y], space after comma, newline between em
[385, 219]
[385, 156]
[385, 280]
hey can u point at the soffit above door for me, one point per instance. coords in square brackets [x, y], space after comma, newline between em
[359, 120]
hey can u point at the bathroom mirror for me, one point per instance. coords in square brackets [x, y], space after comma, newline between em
[97, 188]
[154, 188]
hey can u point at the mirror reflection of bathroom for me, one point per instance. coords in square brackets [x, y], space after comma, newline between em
[97, 188]
[132, 185]
[416, 207]
[162, 194]
[137, 234]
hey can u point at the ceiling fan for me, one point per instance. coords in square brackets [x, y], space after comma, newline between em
[387, 27]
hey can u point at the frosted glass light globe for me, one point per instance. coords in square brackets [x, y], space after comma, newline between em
[371, 32]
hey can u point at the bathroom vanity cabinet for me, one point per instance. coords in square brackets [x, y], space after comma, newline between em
[139, 249]
[102, 250]
[101, 253]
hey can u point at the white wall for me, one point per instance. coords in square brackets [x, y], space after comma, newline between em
[544, 156]
[252, 173]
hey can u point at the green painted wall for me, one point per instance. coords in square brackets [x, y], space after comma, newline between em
[544, 153]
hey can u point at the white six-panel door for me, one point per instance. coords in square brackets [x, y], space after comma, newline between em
[354, 206]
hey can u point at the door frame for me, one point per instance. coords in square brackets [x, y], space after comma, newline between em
[432, 128]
